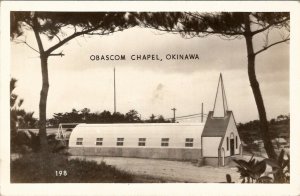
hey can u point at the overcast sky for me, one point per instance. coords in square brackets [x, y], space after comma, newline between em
[153, 86]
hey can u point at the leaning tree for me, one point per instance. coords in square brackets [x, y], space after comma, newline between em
[56, 27]
[230, 25]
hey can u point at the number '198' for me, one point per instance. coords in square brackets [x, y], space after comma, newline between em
[61, 173]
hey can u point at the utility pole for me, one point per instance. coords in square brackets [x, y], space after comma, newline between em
[174, 116]
[115, 106]
[202, 112]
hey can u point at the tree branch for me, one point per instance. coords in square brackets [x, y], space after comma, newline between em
[31, 47]
[106, 33]
[175, 30]
[198, 16]
[257, 23]
[62, 42]
[266, 47]
[196, 32]
[35, 27]
[57, 38]
[75, 29]
[24, 42]
[268, 26]
[58, 54]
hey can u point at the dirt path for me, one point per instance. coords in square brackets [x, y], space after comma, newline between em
[174, 171]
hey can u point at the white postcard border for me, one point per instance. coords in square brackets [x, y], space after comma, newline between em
[151, 189]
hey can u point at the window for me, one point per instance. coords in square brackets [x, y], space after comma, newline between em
[142, 141]
[189, 142]
[79, 141]
[236, 142]
[120, 141]
[164, 141]
[227, 143]
[99, 141]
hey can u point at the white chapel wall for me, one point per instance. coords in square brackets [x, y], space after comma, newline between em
[210, 146]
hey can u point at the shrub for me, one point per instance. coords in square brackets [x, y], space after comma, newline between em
[281, 168]
[28, 141]
[253, 171]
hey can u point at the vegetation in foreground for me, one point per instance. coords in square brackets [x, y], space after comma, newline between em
[57, 168]
[35, 168]
[254, 171]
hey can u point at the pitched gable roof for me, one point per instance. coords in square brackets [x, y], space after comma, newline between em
[216, 127]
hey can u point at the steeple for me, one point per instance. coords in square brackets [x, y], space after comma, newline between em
[220, 105]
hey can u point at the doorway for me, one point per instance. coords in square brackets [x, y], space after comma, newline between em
[231, 147]
[223, 156]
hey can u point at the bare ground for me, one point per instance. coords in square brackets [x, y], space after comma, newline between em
[169, 171]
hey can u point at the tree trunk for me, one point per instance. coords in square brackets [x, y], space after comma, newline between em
[43, 103]
[263, 122]
[13, 130]
[45, 86]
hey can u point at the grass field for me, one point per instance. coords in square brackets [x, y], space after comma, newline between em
[55, 168]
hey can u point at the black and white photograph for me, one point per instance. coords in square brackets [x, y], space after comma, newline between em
[149, 97]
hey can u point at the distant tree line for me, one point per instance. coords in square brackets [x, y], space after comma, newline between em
[86, 116]
[281, 119]
[279, 127]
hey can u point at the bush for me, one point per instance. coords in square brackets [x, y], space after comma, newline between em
[38, 168]
[28, 141]
[253, 171]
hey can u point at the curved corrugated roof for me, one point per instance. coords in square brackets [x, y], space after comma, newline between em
[138, 124]
[139, 129]
[153, 132]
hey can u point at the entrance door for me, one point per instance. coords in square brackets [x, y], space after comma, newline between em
[223, 156]
[231, 147]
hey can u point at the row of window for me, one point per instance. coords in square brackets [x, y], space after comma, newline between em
[189, 142]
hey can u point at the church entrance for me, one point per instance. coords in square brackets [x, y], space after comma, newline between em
[231, 147]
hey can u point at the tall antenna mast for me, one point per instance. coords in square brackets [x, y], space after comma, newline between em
[174, 116]
[202, 112]
[115, 106]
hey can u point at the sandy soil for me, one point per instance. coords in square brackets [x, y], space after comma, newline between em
[173, 171]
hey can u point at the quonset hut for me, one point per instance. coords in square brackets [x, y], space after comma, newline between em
[210, 143]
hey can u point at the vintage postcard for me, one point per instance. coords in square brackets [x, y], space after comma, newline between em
[149, 98]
